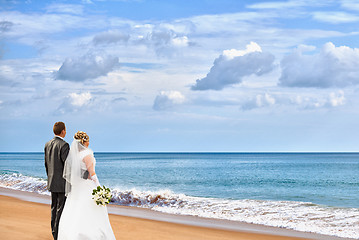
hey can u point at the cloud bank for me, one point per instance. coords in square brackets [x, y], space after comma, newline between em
[331, 67]
[86, 67]
[300, 101]
[230, 67]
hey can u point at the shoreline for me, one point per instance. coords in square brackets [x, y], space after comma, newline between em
[205, 225]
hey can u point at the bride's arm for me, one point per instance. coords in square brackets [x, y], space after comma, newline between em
[88, 160]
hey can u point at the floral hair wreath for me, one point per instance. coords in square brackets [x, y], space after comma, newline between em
[82, 137]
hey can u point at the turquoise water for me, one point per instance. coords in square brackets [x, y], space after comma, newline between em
[314, 192]
[322, 178]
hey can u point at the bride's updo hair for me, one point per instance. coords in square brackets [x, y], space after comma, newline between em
[82, 137]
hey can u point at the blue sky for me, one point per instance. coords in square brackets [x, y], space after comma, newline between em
[239, 76]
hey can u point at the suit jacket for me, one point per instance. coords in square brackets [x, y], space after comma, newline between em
[56, 151]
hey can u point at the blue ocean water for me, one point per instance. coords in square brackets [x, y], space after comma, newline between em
[322, 178]
[252, 187]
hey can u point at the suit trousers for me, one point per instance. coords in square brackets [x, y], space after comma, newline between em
[57, 205]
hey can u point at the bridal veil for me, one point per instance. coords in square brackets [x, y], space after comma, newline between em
[74, 168]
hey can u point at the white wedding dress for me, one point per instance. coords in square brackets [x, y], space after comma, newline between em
[81, 218]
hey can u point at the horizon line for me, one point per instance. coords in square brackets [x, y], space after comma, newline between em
[244, 152]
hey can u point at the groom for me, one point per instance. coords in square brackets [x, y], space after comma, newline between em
[56, 151]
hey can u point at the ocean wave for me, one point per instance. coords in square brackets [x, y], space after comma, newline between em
[24, 183]
[300, 216]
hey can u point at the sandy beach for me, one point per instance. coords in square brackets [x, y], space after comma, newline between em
[27, 220]
[26, 215]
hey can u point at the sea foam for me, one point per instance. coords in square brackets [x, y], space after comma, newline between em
[24, 183]
[301, 216]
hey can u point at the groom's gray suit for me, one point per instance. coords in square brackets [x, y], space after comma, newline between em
[56, 151]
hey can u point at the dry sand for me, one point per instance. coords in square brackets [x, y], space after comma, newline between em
[28, 220]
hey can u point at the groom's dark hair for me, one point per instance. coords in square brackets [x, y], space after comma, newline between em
[58, 127]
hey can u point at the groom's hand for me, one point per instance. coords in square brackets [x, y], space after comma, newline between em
[85, 175]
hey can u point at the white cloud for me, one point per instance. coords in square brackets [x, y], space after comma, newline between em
[278, 5]
[350, 4]
[164, 41]
[232, 53]
[168, 99]
[305, 48]
[25, 73]
[232, 23]
[112, 36]
[315, 101]
[333, 100]
[183, 26]
[336, 99]
[259, 101]
[299, 5]
[180, 41]
[331, 67]
[301, 101]
[28, 26]
[5, 26]
[65, 8]
[81, 99]
[335, 17]
[230, 67]
[75, 102]
[86, 67]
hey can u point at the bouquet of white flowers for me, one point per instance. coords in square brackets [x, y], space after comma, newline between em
[102, 195]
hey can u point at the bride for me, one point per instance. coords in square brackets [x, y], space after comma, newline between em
[81, 218]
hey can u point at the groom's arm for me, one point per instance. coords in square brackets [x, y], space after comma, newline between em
[45, 160]
[64, 152]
